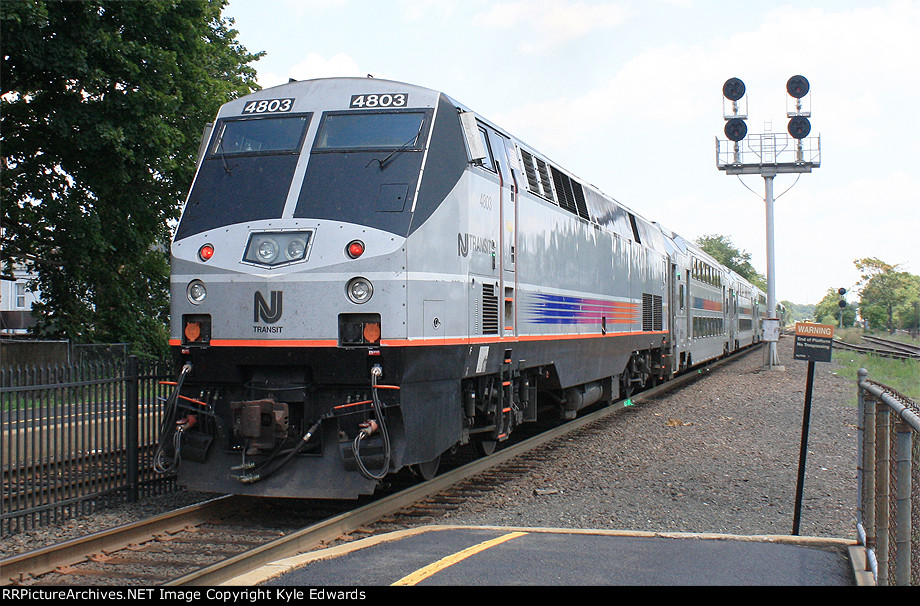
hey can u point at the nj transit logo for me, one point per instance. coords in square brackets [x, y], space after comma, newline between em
[268, 313]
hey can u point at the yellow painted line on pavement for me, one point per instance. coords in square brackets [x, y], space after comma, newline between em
[447, 561]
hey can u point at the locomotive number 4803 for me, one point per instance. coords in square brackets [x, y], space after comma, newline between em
[268, 106]
[382, 100]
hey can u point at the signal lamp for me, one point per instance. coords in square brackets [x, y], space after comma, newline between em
[733, 89]
[359, 290]
[735, 129]
[355, 249]
[206, 252]
[799, 127]
[797, 86]
[372, 332]
[192, 331]
[196, 292]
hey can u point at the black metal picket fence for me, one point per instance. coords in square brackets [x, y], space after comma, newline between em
[75, 438]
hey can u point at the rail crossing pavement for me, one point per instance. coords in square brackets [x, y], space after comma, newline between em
[501, 556]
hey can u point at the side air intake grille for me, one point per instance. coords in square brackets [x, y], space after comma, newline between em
[564, 189]
[489, 310]
[544, 179]
[571, 194]
[651, 312]
[580, 200]
[532, 183]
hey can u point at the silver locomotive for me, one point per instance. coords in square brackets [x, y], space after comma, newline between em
[367, 274]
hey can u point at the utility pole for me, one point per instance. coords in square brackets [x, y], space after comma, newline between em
[767, 154]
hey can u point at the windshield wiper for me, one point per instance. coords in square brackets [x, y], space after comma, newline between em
[383, 163]
[223, 156]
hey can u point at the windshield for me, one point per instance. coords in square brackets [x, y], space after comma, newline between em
[262, 135]
[366, 131]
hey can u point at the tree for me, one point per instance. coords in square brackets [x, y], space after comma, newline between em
[888, 297]
[723, 251]
[796, 312]
[103, 105]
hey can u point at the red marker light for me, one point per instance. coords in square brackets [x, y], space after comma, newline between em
[355, 249]
[205, 252]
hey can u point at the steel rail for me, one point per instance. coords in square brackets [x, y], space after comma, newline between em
[868, 349]
[313, 536]
[48, 559]
[905, 347]
[42, 561]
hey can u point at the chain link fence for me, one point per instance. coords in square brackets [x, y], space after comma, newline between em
[889, 478]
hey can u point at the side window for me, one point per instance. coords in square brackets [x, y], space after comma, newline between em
[488, 162]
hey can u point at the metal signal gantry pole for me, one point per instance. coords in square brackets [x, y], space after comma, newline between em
[768, 154]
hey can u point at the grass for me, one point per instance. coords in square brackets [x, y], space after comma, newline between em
[901, 375]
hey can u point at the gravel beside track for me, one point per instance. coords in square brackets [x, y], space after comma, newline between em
[717, 456]
[720, 456]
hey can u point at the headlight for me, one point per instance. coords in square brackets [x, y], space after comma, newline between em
[267, 251]
[296, 249]
[359, 290]
[196, 292]
[277, 248]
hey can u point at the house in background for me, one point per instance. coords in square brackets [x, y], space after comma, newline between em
[16, 301]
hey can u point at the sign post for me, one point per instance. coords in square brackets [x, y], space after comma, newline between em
[813, 342]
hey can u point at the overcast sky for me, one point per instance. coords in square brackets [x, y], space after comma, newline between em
[627, 95]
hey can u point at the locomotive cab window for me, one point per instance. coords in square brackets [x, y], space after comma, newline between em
[487, 162]
[361, 131]
[275, 135]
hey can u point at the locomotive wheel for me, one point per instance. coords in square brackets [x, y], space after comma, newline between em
[484, 447]
[428, 469]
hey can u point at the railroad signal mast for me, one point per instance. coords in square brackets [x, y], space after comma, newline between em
[768, 154]
[842, 303]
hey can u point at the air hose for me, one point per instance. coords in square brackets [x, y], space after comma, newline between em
[251, 478]
[369, 428]
[171, 430]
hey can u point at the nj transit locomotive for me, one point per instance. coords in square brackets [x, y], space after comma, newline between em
[367, 274]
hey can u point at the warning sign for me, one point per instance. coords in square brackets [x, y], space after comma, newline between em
[813, 342]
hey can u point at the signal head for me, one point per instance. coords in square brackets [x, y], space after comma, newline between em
[797, 86]
[735, 129]
[733, 89]
[799, 127]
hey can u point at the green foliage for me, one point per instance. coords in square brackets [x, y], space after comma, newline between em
[103, 104]
[723, 251]
[828, 310]
[796, 312]
[889, 298]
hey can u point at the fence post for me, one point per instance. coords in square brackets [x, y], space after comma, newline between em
[883, 489]
[867, 462]
[903, 520]
[131, 429]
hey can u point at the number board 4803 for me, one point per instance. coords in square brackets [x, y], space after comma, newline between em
[268, 106]
[380, 100]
